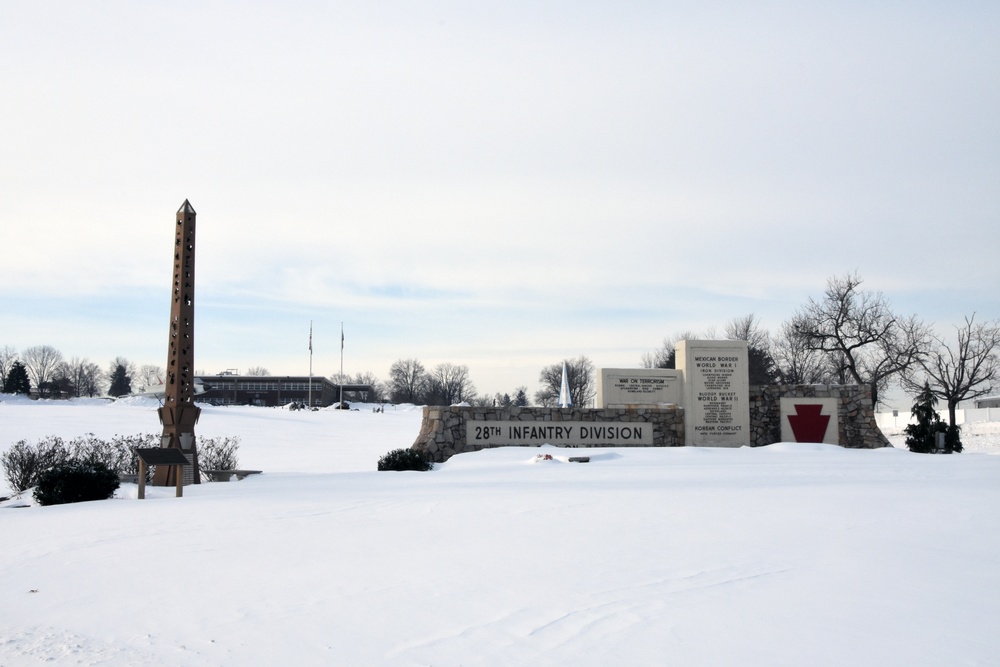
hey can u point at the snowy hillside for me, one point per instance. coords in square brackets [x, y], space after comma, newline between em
[783, 555]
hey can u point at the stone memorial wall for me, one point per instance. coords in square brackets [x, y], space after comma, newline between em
[447, 431]
[854, 413]
[705, 402]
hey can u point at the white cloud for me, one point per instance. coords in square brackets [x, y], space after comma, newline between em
[504, 165]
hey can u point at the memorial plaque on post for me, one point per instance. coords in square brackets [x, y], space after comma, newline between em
[619, 387]
[716, 392]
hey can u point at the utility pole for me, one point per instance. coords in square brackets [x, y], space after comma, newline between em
[310, 394]
[341, 365]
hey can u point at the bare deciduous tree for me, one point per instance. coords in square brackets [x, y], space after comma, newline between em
[84, 376]
[378, 391]
[965, 371]
[450, 384]
[760, 364]
[41, 362]
[258, 371]
[797, 363]
[857, 326]
[8, 355]
[582, 382]
[666, 355]
[407, 381]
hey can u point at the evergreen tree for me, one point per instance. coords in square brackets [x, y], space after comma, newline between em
[922, 436]
[17, 381]
[521, 397]
[121, 383]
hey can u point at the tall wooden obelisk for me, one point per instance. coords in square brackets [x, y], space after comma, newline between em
[179, 414]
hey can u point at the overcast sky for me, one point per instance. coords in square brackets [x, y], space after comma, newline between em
[501, 185]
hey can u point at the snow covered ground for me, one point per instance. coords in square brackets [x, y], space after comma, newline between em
[783, 555]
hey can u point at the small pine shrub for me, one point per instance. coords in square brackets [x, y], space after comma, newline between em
[922, 436]
[404, 459]
[74, 482]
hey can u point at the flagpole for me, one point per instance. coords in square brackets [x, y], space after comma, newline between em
[310, 394]
[341, 365]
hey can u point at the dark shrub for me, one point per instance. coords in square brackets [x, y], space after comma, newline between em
[922, 436]
[74, 482]
[404, 459]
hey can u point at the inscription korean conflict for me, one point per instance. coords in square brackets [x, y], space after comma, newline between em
[560, 434]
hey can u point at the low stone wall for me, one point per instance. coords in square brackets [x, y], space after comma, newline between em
[443, 432]
[855, 412]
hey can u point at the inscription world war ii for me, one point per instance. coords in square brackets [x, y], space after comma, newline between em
[560, 434]
[717, 398]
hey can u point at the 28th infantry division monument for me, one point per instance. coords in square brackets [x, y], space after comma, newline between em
[706, 401]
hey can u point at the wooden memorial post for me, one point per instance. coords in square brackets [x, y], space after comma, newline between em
[179, 414]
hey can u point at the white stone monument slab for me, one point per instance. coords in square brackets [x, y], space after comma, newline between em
[810, 420]
[716, 392]
[619, 387]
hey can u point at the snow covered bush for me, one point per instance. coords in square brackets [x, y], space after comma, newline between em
[23, 462]
[91, 449]
[126, 458]
[219, 453]
[404, 459]
[74, 482]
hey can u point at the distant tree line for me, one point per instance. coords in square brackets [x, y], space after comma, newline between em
[42, 369]
[847, 335]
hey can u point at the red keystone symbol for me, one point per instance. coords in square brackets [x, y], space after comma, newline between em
[808, 425]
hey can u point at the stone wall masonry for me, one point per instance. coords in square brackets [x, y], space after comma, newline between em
[856, 414]
[443, 432]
